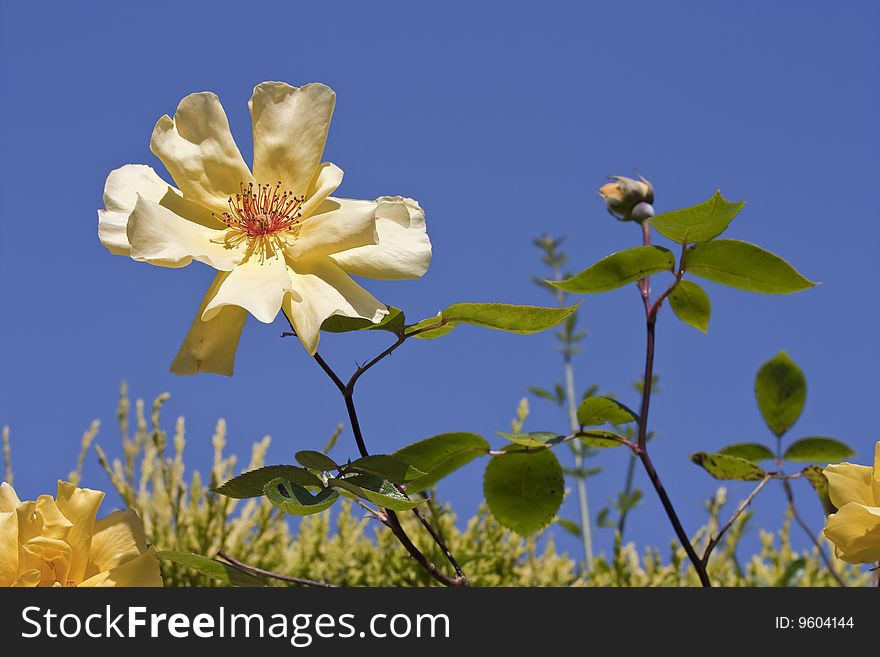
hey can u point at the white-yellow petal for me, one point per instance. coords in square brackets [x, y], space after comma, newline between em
[141, 571]
[339, 225]
[197, 148]
[80, 507]
[855, 532]
[210, 345]
[327, 178]
[403, 250]
[161, 237]
[325, 290]
[849, 482]
[290, 127]
[120, 195]
[255, 285]
[875, 479]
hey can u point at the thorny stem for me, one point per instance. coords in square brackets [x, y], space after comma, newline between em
[715, 540]
[253, 570]
[789, 495]
[571, 403]
[389, 517]
[650, 322]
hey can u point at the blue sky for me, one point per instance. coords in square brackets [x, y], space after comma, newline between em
[502, 119]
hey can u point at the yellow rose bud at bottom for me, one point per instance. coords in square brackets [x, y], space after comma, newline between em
[855, 528]
[60, 542]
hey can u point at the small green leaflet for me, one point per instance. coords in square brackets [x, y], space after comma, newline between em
[618, 269]
[387, 467]
[295, 500]
[441, 455]
[221, 572]
[749, 451]
[250, 484]
[781, 392]
[595, 411]
[818, 449]
[534, 438]
[601, 439]
[691, 304]
[744, 266]
[498, 316]
[727, 467]
[380, 492]
[315, 460]
[524, 489]
[699, 223]
[819, 482]
[393, 322]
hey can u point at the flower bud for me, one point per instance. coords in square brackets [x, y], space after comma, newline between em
[628, 199]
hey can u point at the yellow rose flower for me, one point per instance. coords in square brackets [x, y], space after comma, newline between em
[855, 528]
[60, 543]
[279, 240]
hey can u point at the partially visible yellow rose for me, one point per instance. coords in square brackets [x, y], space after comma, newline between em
[59, 542]
[855, 528]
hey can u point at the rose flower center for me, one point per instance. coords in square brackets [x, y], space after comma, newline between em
[264, 216]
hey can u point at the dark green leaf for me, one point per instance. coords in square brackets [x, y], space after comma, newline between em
[745, 267]
[524, 489]
[534, 438]
[699, 223]
[601, 439]
[595, 411]
[618, 269]
[691, 304]
[387, 467]
[819, 482]
[250, 484]
[749, 451]
[441, 455]
[295, 500]
[727, 467]
[499, 316]
[602, 518]
[813, 449]
[545, 394]
[315, 460]
[781, 391]
[393, 322]
[216, 570]
[380, 492]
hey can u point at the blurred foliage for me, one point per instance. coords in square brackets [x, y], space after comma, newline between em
[347, 548]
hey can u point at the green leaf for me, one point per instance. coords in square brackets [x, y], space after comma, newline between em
[727, 467]
[440, 456]
[524, 489]
[601, 439]
[569, 525]
[533, 438]
[819, 482]
[781, 391]
[380, 492]
[826, 450]
[315, 460]
[618, 269]
[691, 304]
[387, 467]
[216, 570]
[744, 266]
[499, 316]
[250, 484]
[699, 223]
[295, 500]
[749, 451]
[393, 322]
[546, 394]
[595, 411]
